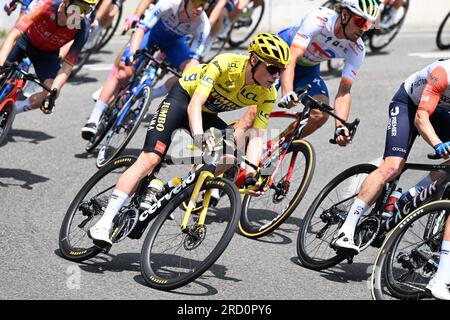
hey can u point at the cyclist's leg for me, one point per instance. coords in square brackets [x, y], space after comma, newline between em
[400, 136]
[319, 91]
[238, 8]
[178, 54]
[46, 65]
[107, 12]
[171, 115]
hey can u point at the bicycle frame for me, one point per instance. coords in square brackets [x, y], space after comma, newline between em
[14, 86]
[434, 191]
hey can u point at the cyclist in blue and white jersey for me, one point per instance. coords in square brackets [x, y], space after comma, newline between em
[323, 34]
[166, 24]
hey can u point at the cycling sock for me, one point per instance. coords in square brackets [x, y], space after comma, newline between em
[356, 211]
[116, 202]
[159, 92]
[99, 108]
[443, 273]
[23, 106]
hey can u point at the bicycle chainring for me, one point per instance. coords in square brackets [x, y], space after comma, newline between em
[125, 223]
[367, 231]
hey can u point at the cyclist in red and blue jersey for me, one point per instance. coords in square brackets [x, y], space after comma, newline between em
[39, 35]
[321, 35]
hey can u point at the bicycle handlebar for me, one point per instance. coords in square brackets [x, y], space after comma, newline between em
[434, 156]
[315, 104]
[10, 67]
[162, 64]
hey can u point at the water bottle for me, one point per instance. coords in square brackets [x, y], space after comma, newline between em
[390, 204]
[406, 197]
[155, 187]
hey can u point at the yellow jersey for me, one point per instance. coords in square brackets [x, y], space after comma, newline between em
[223, 82]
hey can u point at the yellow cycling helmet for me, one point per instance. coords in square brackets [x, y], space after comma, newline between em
[270, 49]
[90, 2]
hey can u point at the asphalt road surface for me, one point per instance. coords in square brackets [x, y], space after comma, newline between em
[43, 165]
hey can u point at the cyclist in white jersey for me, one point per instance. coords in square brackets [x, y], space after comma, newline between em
[166, 25]
[420, 106]
[323, 34]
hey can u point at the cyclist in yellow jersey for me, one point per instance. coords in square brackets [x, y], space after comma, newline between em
[229, 82]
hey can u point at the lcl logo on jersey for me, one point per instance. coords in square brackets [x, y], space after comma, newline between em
[248, 95]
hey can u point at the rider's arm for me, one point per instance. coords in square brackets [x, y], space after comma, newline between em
[437, 83]
[21, 27]
[200, 36]
[287, 76]
[254, 149]
[146, 24]
[343, 100]
[62, 76]
[195, 113]
[142, 6]
[8, 44]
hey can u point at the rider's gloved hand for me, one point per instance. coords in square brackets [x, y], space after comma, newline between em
[9, 9]
[442, 149]
[131, 21]
[289, 100]
[250, 180]
[342, 136]
[128, 58]
[48, 105]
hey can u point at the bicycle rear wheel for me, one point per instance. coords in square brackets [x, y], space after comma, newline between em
[326, 215]
[410, 255]
[443, 34]
[7, 115]
[246, 24]
[381, 38]
[86, 209]
[262, 215]
[121, 133]
[171, 258]
[108, 33]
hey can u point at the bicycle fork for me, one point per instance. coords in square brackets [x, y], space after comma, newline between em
[192, 202]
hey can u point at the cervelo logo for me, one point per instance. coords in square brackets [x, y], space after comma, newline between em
[168, 196]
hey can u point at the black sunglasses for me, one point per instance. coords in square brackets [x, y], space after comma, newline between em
[273, 69]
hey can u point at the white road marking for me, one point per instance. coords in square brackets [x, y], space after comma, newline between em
[431, 55]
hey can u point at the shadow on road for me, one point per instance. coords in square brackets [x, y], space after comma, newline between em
[197, 287]
[30, 136]
[81, 78]
[343, 272]
[112, 263]
[86, 155]
[26, 176]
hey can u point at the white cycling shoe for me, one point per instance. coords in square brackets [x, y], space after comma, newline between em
[439, 290]
[100, 235]
[345, 242]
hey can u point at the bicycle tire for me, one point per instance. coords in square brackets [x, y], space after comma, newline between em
[146, 93]
[68, 249]
[439, 36]
[396, 29]
[315, 208]
[251, 225]
[233, 42]
[382, 273]
[150, 260]
[7, 115]
[109, 32]
[83, 57]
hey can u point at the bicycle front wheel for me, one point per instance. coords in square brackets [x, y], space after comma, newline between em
[443, 34]
[171, 258]
[86, 209]
[7, 115]
[124, 127]
[262, 215]
[409, 257]
[326, 215]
